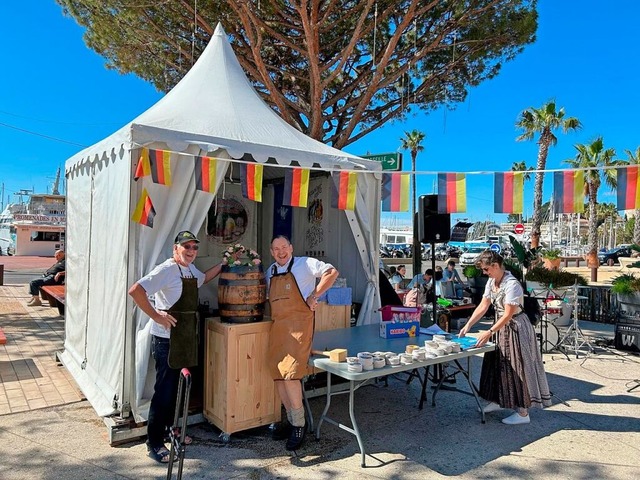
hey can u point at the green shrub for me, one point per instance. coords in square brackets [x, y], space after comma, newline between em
[625, 284]
[557, 278]
[471, 271]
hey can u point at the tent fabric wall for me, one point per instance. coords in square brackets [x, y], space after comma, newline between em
[214, 111]
[96, 276]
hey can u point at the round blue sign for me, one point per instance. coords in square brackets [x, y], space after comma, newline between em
[495, 247]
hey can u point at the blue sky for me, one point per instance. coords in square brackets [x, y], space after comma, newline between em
[585, 57]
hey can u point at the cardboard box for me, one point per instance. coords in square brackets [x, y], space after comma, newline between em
[399, 329]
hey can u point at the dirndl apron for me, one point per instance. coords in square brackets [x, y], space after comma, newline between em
[183, 342]
[292, 329]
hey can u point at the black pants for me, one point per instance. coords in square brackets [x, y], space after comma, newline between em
[163, 402]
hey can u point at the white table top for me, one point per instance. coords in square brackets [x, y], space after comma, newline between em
[367, 338]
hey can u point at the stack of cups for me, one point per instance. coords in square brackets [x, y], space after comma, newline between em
[366, 359]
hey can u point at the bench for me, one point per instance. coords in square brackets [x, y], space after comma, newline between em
[54, 294]
[572, 258]
[626, 262]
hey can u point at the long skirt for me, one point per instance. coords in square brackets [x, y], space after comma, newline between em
[513, 375]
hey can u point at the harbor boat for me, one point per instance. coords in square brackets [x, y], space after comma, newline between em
[35, 226]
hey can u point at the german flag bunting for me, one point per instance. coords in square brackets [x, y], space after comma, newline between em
[345, 185]
[452, 193]
[395, 192]
[143, 168]
[568, 191]
[205, 174]
[144, 212]
[160, 162]
[251, 177]
[628, 187]
[508, 192]
[296, 187]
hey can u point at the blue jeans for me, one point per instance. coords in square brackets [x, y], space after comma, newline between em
[163, 402]
[34, 285]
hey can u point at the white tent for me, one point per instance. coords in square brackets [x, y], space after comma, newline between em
[214, 111]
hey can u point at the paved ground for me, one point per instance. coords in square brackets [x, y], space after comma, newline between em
[597, 435]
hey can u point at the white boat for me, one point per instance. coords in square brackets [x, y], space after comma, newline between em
[36, 226]
[396, 238]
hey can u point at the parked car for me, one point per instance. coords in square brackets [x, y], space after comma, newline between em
[610, 257]
[469, 257]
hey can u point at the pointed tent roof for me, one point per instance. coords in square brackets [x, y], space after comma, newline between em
[214, 106]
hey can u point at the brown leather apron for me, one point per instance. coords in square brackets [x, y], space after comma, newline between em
[292, 329]
[183, 342]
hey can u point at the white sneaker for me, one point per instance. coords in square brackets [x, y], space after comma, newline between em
[516, 419]
[492, 407]
[35, 303]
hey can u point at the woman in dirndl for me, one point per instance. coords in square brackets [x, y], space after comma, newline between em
[513, 375]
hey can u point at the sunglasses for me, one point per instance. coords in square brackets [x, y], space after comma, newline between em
[191, 247]
[485, 269]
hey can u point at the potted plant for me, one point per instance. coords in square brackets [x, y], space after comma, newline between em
[541, 278]
[476, 280]
[626, 288]
[551, 258]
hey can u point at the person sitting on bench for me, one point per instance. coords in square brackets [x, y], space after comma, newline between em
[53, 276]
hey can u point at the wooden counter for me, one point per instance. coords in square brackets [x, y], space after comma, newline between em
[239, 392]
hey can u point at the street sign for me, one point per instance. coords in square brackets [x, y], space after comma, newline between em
[519, 229]
[495, 247]
[390, 161]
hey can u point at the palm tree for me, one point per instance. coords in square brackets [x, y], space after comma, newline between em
[543, 120]
[522, 167]
[634, 159]
[412, 141]
[591, 157]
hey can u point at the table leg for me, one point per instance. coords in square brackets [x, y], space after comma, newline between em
[326, 407]
[305, 399]
[440, 381]
[423, 393]
[354, 425]
[474, 390]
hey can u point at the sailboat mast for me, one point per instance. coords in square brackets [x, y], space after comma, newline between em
[56, 183]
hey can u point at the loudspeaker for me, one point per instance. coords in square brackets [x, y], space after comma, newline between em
[628, 337]
[433, 227]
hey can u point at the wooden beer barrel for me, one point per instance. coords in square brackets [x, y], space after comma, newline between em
[242, 293]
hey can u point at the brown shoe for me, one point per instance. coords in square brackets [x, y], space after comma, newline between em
[35, 303]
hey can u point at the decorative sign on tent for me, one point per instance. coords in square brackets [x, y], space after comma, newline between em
[395, 192]
[144, 212]
[508, 192]
[452, 193]
[251, 178]
[344, 190]
[568, 191]
[628, 187]
[296, 187]
[205, 174]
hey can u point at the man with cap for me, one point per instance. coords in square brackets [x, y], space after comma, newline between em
[174, 285]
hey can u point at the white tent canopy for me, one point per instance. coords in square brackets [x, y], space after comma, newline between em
[214, 111]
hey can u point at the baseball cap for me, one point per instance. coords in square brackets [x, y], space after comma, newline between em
[184, 237]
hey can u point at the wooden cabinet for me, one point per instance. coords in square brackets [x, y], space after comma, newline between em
[330, 317]
[239, 391]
